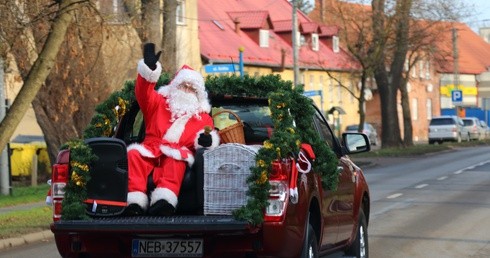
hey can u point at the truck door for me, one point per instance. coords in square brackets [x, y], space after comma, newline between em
[329, 198]
[345, 200]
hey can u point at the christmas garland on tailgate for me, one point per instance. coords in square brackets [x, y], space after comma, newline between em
[291, 113]
[104, 121]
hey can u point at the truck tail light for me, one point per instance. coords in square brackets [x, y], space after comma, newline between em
[280, 170]
[59, 179]
[278, 194]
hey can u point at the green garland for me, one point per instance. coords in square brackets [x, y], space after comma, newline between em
[103, 123]
[75, 190]
[287, 104]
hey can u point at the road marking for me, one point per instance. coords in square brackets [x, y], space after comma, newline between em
[458, 172]
[421, 186]
[442, 178]
[393, 196]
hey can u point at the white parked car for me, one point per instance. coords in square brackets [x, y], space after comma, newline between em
[473, 128]
[486, 129]
[447, 128]
[368, 130]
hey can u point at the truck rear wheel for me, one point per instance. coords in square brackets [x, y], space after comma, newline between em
[310, 247]
[360, 248]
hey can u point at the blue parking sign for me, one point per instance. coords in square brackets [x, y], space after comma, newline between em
[457, 96]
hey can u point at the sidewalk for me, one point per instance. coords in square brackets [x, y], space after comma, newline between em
[28, 238]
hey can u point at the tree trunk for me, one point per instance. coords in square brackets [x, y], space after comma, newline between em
[362, 100]
[39, 71]
[150, 16]
[387, 92]
[402, 21]
[407, 117]
[169, 41]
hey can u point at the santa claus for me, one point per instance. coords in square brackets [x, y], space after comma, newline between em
[177, 122]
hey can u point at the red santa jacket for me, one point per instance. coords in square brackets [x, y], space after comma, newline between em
[176, 139]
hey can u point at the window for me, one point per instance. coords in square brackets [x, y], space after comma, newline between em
[414, 70]
[264, 38]
[312, 80]
[415, 109]
[112, 11]
[335, 44]
[352, 90]
[421, 69]
[429, 109]
[339, 94]
[314, 42]
[330, 90]
[427, 70]
[181, 12]
[322, 127]
[302, 40]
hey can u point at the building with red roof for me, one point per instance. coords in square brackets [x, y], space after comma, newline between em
[431, 80]
[264, 29]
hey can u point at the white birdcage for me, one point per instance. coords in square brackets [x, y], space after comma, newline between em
[226, 169]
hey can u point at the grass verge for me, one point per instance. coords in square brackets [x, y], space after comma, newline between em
[17, 217]
[420, 149]
[24, 194]
[19, 222]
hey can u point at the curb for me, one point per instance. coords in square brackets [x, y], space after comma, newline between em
[26, 239]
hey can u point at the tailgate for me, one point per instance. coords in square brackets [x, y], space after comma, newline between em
[148, 224]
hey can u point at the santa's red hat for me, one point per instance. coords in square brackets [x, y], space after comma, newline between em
[187, 74]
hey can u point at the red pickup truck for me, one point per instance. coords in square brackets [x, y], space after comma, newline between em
[317, 221]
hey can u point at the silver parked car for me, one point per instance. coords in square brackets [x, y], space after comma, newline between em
[447, 128]
[485, 129]
[368, 130]
[473, 127]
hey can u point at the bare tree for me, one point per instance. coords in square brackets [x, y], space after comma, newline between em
[355, 36]
[396, 35]
[414, 30]
[95, 56]
[41, 67]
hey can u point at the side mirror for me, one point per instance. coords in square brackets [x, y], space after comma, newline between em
[356, 142]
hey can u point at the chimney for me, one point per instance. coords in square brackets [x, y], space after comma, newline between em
[283, 62]
[237, 25]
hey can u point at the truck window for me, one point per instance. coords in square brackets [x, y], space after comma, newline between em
[256, 119]
[323, 128]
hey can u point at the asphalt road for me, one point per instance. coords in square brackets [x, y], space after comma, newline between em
[431, 206]
[436, 206]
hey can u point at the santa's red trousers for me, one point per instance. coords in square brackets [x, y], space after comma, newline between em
[167, 172]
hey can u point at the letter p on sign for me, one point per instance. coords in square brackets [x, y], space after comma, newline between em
[457, 96]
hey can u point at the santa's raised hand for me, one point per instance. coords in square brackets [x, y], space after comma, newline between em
[149, 56]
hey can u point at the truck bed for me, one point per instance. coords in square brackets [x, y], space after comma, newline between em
[151, 224]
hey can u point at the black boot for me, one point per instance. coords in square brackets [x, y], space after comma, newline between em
[133, 210]
[161, 208]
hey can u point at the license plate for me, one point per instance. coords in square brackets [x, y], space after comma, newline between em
[167, 247]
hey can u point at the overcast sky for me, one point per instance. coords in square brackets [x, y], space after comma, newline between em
[481, 14]
[479, 9]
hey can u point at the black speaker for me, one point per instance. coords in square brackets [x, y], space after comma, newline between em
[107, 189]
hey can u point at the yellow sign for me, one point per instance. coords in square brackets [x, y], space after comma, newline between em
[467, 90]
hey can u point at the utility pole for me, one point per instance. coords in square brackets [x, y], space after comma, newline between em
[4, 158]
[455, 63]
[295, 43]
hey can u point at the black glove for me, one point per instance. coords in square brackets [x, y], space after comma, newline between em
[204, 140]
[149, 56]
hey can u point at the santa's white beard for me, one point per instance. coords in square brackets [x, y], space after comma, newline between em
[182, 103]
